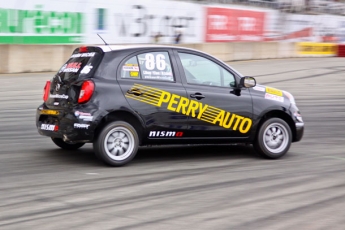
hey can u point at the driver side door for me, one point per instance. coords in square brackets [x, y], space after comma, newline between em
[219, 109]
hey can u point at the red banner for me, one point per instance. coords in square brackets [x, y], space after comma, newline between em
[223, 25]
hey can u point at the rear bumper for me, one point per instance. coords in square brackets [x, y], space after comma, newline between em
[69, 126]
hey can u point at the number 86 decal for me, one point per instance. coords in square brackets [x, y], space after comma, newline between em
[151, 63]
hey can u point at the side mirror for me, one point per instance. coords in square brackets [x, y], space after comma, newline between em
[247, 82]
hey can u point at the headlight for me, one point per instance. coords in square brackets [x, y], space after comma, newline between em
[298, 116]
[291, 98]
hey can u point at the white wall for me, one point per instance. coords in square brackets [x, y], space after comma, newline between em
[135, 21]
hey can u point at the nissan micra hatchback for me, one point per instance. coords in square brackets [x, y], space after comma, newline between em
[119, 98]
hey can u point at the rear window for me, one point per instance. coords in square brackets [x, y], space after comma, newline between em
[80, 64]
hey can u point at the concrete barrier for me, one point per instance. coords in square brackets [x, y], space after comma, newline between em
[4, 58]
[222, 51]
[40, 58]
[33, 58]
[265, 50]
[243, 51]
[286, 50]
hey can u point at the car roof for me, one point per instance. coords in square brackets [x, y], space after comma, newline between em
[109, 48]
[112, 48]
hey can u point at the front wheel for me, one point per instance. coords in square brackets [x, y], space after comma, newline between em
[117, 143]
[274, 138]
[65, 145]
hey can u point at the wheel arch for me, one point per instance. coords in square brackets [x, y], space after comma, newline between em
[121, 115]
[278, 114]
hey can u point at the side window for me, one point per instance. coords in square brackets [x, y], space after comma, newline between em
[131, 69]
[200, 70]
[155, 66]
[228, 79]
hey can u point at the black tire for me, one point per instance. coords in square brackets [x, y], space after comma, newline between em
[117, 143]
[68, 146]
[274, 138]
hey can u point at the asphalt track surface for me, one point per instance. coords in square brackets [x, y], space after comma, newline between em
[191, 187]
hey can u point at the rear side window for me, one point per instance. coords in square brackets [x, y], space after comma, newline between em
[79, 64]
[154, 66]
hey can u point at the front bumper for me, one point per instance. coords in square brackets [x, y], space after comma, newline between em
[299, 131]
[299, 124]
[64, 124]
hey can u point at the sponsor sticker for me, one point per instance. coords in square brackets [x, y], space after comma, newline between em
[259, 88]
[274, 91]
[165, 134]
[83, 55]
[49, 127]
[49, 112]
[130, 68]
[81, 126]
[193, 108]
[158, 75]
[86, 118]
[83, 116]
[133, 74]
[60, 96]
[274, 97]
[86, 69]
[71, 67]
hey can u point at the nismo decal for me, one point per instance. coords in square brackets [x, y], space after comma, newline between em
[179, 104]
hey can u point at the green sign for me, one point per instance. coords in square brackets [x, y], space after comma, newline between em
[40, 27]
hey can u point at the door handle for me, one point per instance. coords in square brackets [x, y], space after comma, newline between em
[197, 96]
[136, 92]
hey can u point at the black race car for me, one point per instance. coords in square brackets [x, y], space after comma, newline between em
[119, 98]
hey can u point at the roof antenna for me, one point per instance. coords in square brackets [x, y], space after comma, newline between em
[104, 41]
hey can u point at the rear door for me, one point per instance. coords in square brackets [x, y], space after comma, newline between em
[65, 85]
[152, 86]
[217, 109]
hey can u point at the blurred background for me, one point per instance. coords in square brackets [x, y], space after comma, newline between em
[160, 21]
[292, 28]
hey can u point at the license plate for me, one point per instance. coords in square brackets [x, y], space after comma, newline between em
[49, 112]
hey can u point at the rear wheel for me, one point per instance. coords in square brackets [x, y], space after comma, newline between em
[117, 143]
[274, 138]
[65, 145]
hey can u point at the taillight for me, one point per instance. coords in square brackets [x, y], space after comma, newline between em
[46, 91]
[86, 91]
